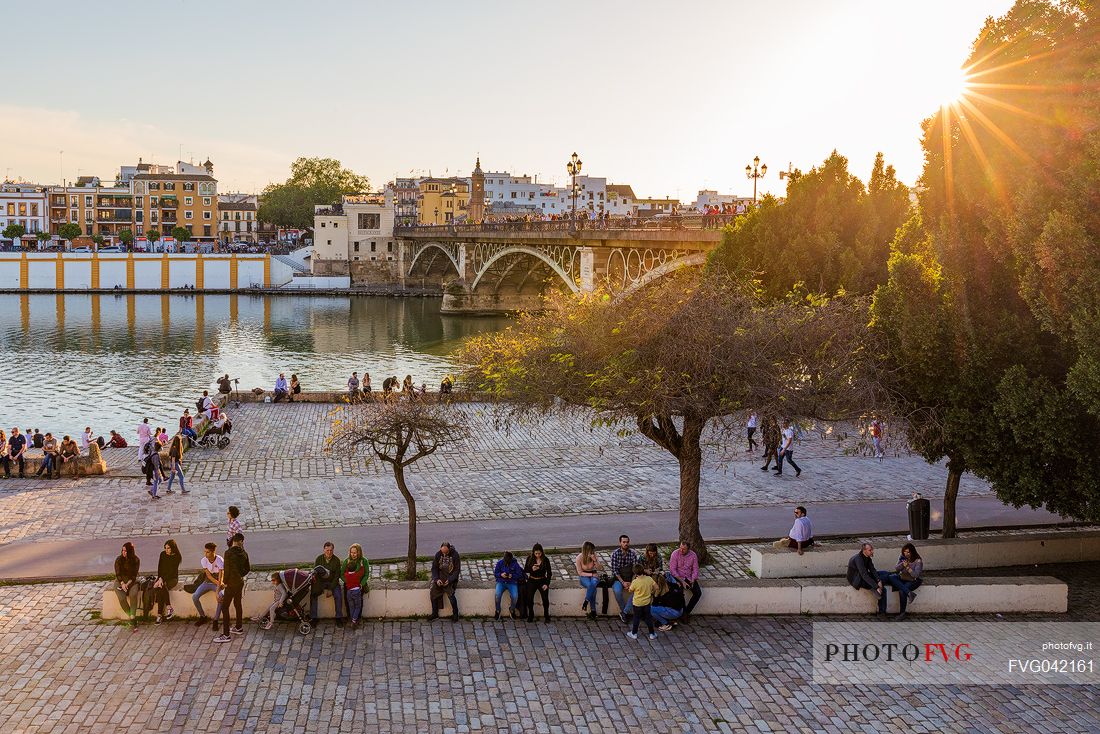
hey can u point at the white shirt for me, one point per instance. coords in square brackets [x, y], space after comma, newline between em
[752, 421]
[801, 531]
[214, 567]
[207, 403]
[788, 439]
[86, 439]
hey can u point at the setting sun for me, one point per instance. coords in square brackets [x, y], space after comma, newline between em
[954, 86]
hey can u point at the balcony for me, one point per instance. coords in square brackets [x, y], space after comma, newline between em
[169, 202]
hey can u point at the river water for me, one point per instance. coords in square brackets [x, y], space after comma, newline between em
[70, 361]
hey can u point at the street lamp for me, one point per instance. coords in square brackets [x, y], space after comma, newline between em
[755, 172]
[573, 166]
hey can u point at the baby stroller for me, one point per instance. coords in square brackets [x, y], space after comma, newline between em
[294, 586]
[217, 434]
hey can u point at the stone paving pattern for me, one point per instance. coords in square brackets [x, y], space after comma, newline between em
[62, 671]
[278, 472]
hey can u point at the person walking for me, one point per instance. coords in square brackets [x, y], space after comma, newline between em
[156, 470]
[771, 442]
[236, 569]
[175, 464]
[750, 429]
[233, 515]
[876, 438]
[786, 449]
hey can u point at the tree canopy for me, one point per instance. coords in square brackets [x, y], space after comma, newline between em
[312, 181]
[69, 231]
[831, 233]
[678, 358]
[992, 313]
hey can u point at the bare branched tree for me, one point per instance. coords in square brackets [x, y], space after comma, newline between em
[679, 357]
[399, 432]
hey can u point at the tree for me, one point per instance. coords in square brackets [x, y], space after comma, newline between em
[676, 360]
[99, 240]
[14, 232]
[399, 432]
[152, 235]
[312, 181]
[43, 237]
[182, 234]
[126, 237]
[831, 234]
[1007, 255]
[69, 231]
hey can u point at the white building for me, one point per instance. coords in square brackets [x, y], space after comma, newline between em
[708, 198]
[359, 228]
[237, 220]
[506, 194]
[26, 205]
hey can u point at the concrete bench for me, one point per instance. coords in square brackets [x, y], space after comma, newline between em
[393, 599]
[984, 552]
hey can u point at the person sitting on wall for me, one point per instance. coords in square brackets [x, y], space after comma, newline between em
[225, 385]
[295, 387]
[117, 441]
[282, 390]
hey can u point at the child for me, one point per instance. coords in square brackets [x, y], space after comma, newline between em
[643, 588]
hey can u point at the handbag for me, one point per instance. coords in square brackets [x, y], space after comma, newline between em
[192, 587]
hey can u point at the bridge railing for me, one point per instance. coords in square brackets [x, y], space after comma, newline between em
[664, 223]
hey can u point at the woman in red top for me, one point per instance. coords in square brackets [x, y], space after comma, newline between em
[356, 573]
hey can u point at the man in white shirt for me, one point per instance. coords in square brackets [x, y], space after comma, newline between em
[786, 449]
[213, 567]
[801, 534]
[86, 438]
[145, 434]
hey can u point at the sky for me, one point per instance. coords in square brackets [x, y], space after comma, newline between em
[667, 97]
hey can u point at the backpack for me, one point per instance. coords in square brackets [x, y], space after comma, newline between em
[147, 593]
[198, 404]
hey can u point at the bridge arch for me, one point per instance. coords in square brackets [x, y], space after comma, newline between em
[428, 254]
[485, 267]
[696, 259]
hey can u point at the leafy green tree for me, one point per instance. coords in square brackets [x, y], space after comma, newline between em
[181, 234]
[69, 231]
[14, 232]
[126, 237]
[152, 235]
[312, 181]
[99, 240]
[831, 234]
[43, 237]
[675, 360]
[1005, 261]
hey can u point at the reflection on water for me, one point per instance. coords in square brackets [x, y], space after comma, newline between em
[107, 361]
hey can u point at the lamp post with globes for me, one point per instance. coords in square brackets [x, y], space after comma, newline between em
[755, 172]
[573, 166]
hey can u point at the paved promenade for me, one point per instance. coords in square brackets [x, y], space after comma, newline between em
[278, 473]
[64, 672]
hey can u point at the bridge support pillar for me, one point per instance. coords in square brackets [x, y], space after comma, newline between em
[458, 300]
[588, 269]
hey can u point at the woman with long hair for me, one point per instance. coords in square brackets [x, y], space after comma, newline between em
[356, 573]
[168, 574]
[651, 559]
[126, 588]
[175, 464]
[588, 567]
[906, 576]
[537, 569]
[5, 454]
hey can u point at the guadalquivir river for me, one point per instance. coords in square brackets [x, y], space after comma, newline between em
[106, 361]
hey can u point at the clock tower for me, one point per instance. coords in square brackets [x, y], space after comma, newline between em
[477, 195]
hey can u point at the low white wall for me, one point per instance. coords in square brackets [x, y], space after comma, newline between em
[1017, 550]
[310, 282]
[791, 596]
[148, 271]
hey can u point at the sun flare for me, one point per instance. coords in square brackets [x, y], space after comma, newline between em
[954, 87]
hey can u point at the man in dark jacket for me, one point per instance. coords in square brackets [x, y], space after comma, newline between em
[445, 567]
[236, 569]
[862, 574]
[329, 585]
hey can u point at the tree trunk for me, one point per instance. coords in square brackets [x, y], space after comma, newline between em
[410, 563]
[691, 465]
[954, 474]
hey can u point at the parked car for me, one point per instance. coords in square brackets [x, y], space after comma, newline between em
[81, 249]
[110, 249]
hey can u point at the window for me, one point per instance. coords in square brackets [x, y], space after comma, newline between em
[139, 216]
[336, 225]
[188, 186]
[322, 224]
[188, 226]
[225, 215]
[169, 186]
[139, 202]
[206, 230]
[87, 201]
[22, 209]
[237, 216]
[372, 246]
[207, 215]
[370, 221]
[154, 186]
[357, 248]
[74, 216]
[389, 247]
[11, 208]
[153, 216]
[330, 242]
[154, 201]
[513, 194]
[187, 201]
[188, 214]
[206, 201]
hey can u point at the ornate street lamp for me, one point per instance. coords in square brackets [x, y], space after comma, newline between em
[755, 172]
[573, 166]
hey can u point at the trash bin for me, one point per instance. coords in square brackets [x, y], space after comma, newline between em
[920, 512]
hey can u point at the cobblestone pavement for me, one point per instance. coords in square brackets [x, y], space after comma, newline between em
[276, 470]
[64, 672]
